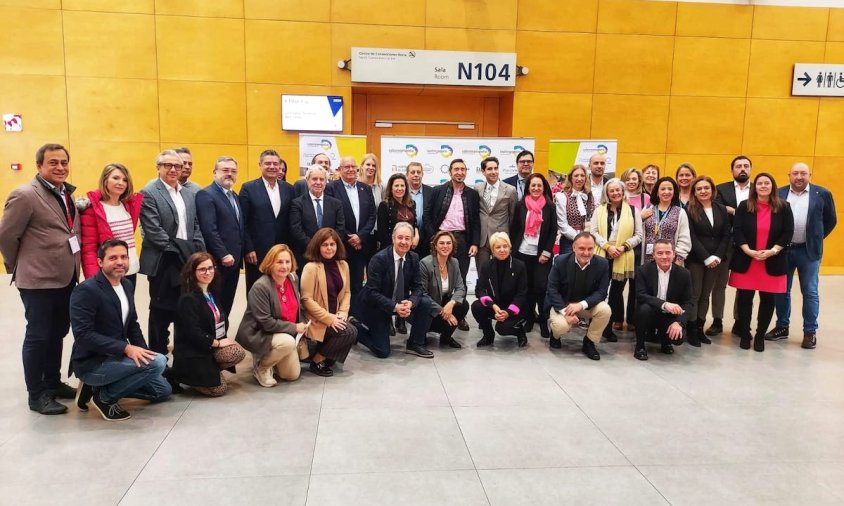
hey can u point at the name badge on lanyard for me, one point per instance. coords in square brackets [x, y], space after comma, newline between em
[220, 329]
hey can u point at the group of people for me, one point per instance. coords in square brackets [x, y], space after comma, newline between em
[338, 258]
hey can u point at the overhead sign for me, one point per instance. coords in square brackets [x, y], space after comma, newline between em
[818, 80]
[314, 113]
[419, 66]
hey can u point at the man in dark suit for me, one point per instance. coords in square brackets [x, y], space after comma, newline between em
[394, 286]
[731, 194]
[664, 297]
[420, 193]
[577, 288]
[221, 223]
[109, 355]
[300, 187]
[814, 218]
[39, 241]
[313, 211]
[265, 206]
[359, 217]
[171, 234]
[524, 168]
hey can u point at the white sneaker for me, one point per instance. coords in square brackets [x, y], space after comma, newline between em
[264, 376]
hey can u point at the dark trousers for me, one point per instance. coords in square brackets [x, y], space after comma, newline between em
[252, 275]
[537, 275]
[229, 278]
[616, 298]
[357, 260]
[461, 253]
[335, 345]
[631, 291]
[654, 322]
[744, 301]
[484, 315]
[376, 333]
[441, 326]
[158, 329]
[47, 313]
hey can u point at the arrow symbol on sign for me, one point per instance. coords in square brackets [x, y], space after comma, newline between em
[805, 79]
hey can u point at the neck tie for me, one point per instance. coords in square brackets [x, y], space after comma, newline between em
[398, 291]
[521, 188]
[318, 213]
[488, 196]
[230, 195]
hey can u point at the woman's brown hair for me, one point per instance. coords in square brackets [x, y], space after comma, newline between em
[312, 251]
[107, 170]
[695, 209]
[436, 238]
[774, 200]
[388, 191]
[189, 282]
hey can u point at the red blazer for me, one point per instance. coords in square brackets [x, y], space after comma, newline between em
[95, 229]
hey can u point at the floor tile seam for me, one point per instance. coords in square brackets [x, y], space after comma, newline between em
[316, 437]
[219, 477]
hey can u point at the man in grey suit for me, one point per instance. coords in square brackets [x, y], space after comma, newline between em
[171, 234]
[498, 202]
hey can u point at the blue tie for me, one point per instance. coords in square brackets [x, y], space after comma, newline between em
[318, 213]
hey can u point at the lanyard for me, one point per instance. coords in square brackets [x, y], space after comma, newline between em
[213, 306]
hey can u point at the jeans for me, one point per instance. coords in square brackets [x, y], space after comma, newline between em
[807, 270]
[120, 377]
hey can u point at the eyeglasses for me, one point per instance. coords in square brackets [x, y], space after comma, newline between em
[525, 162]
[56, 163]
[227, 171]
[171, 166]
[205, 270]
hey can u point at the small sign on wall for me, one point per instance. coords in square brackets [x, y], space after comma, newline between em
[818, 80]
[13, 122]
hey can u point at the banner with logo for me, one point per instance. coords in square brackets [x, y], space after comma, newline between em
[564, 154]
[435, 153]
[334, 146]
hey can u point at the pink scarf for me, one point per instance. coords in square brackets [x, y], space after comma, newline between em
[534, 218]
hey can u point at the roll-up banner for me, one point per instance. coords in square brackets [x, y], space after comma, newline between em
[564, 154]
[334, 146]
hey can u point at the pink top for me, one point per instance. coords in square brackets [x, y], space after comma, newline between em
[287, 301]
[757, 277]
[454, 221]
[636, 201]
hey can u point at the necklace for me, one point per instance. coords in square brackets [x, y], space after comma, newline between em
[282, 291]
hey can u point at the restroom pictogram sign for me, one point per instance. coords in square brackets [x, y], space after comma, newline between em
[818, 80]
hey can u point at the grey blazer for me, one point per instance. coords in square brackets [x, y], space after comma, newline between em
[160, 223]
[263, 316]
[432, 284]
[498, 218]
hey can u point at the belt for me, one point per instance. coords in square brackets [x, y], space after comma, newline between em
[795, 245]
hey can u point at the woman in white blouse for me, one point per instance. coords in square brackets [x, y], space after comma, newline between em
[574, 207]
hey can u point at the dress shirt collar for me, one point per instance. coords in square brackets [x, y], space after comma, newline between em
[798, 194]
[582, 267]
[314, 197]
[396, 256]
[170, 188]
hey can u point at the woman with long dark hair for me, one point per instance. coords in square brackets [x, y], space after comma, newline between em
[396, 206]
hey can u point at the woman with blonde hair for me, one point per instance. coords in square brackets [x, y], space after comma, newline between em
[574, 206]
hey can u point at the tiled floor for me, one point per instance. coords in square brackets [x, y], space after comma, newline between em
[715, 425]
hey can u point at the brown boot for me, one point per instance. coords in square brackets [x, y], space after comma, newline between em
[810, 340]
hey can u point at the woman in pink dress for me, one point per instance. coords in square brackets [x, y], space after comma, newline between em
[762, 228]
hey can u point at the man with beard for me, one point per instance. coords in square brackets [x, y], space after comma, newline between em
[597, 167]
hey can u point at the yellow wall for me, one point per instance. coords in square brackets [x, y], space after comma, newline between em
[121, 79]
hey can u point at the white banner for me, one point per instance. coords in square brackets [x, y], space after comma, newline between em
[420, 66]
[817, 80]
[334, 146]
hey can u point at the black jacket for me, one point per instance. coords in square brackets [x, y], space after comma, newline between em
[366, 202]
[709, 239]
[303, 221]
[511, 293]
[744, 232]
[387, 219]
[377, 294]
[561, 281]
[547, 231]
[679, 290]
[195, 332]
[436, 209]
[261, 228]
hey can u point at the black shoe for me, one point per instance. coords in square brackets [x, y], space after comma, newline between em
[759, 342]
[418, 350]
[777, 334]
[589, 349]
[321, 369]
[449, 342]
[401, 326]
[111, 412]
[63, 391]
[640, 354]
[555, 343]
[171, 379]
[487, 340]
[462, 325]
[692, 338]
[609, 335]
[705, 340]
[716, 328]
[745, 343]
[543, 330]
[46, 405]
[735, 330]
[521, 339]
[667, 348]
[83, 396]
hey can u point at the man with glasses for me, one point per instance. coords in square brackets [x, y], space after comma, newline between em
[524, 166]
[171, 234]
[187, 169]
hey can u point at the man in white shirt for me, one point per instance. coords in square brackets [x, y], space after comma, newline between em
[597, 167]
[498, 203]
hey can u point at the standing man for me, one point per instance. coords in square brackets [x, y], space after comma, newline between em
[312, 211]
[420, 193]
[730, 194]
[498, 202]
[300, 187]
[524, 166]
[455, 208]
[110, 356]
[814, 219]
[171, 234]
[187, 169]
[265, 206]
[597, 167]
[39, 241]
[221, 223]
[359, 217]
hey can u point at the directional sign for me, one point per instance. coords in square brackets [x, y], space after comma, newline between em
[818, 80]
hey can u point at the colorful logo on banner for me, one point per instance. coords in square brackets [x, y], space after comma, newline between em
[602, 149]
[446, 151]
[484, 151]
[411, 150]
[326, 144]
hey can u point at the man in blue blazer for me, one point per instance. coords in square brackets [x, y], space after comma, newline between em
[524, 168]
[109, 354]
[221, 223]
[387, 294]
[359, 216]
[265, 207]
[814, 219]
[313, 211]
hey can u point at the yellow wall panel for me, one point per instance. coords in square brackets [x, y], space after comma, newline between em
[37, 36]
[706, 66]
[714, 20]
[830, 141]
[638, 122]
[826, 172]
[40, 100]
[780, 126]
[269, 59]
[559, 16]
[33, 4]
[124, 45]
[715, 166]
[133, 6]
[89, 157]
[834, 52]
[705, 125]
[198, 112]
[638, 160]
[211, 8]
[790, 23]
[548, 116]
[468, 39]
[540, 52]
[633, 64]
[836, 25]
[345, 37]
[102, 109]
[203, 49]
[635, 16]
[288, 10]
[490, 14]
[379, 12]
[772, 65]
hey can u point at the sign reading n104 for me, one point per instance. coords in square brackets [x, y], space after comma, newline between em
[419, 66]
[818, 80]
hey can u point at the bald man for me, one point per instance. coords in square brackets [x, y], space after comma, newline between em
[597, 167]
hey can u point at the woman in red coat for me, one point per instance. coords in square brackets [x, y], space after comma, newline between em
[112, 214]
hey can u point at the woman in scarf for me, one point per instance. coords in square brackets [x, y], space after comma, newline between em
[574, 207]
